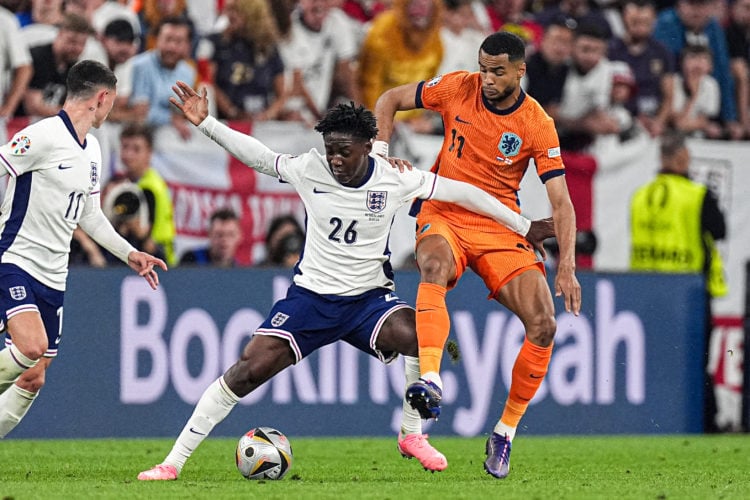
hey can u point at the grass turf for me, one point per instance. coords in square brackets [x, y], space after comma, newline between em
[638, 467]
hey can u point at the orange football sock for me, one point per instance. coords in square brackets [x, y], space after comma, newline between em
[433, 326]
[528, 374]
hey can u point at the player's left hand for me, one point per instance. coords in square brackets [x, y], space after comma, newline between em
[144, 263]
[400, 163]
[566, 284]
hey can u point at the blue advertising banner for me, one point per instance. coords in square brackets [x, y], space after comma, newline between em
[133, 361]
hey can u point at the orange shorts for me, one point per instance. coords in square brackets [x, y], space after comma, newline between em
[497, 256]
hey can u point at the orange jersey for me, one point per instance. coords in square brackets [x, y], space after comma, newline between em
[487, 147]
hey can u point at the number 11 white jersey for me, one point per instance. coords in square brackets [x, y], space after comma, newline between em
[52, 178]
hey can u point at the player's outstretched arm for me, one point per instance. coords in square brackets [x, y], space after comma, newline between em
[245, 148]
[479, 201]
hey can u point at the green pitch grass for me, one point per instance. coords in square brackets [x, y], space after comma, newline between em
[678, 467]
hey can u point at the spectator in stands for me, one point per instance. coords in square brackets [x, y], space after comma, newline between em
[692, 22]
[15, 68]
[44, 17]
[126, 208]
[402, 46]
[248, 73]
[584, 110]
[674, 224]
[457, 33]
[153, 13]
[547, 69]
[623, 88]
[104, 12]
[581, 11]
[156, 70]
[136, 148]
[285, 239]
[119, 42]
[697, 98]
[511, 15]
[319, 54]
[224, 236]
[652, 64]
[52, 62]
[738, 44]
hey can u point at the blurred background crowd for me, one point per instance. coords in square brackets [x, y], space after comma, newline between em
[623, 69]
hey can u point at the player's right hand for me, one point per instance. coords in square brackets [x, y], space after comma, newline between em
[399, 163]
[192, 105]
[539, 231]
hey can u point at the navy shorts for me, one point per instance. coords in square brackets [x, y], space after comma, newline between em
[20, 292]
[309, 321]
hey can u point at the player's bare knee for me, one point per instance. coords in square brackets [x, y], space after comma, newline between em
[435, 270]
[402, 339]
[541, 330]
[31, 380]
[33, 350]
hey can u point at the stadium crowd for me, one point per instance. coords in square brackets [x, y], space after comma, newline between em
[607, 67]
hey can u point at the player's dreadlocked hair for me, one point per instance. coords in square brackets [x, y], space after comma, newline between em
[349, 119]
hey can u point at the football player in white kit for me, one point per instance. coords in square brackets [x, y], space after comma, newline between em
[343, 286]
[54, 166]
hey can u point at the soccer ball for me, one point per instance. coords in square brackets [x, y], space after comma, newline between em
[264, 453]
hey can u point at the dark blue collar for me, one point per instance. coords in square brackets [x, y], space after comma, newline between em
[69, 125]
[506, 111]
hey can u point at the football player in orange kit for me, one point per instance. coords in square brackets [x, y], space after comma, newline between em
[492, 130]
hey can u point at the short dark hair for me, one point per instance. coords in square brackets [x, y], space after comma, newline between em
[139, 130]
[672, 141]
[176, 21]
[592, 29]
[120, 30]
[223, 214]
[639, 3]
[87, 76]
[504, 42]
[696, 49]
[349, 119]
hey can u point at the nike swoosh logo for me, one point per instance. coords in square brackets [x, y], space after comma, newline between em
[424, 310]
[459, 120]
[318, 191]
[196, 432]
[64, 167]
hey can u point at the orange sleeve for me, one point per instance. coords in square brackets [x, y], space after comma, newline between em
[546, 146]
[438, 93]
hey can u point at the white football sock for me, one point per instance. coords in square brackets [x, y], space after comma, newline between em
[411, 422]
[14, 403]
[12, 363]
[214, 405]
[434, 377]
[502, 428]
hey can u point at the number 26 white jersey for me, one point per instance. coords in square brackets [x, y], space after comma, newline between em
[346, 246]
